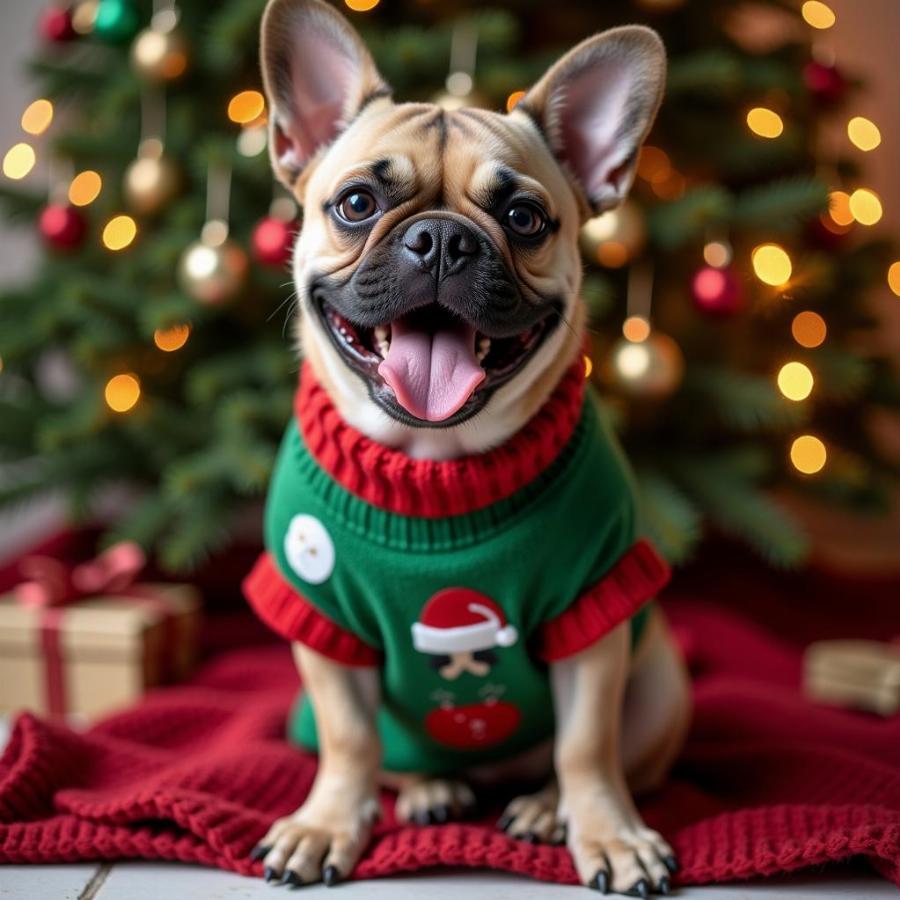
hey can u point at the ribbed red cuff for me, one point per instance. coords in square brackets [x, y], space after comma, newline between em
[634, 580]
[290, 614]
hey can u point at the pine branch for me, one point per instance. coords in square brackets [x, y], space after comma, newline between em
[743, 402]
[672, 520]
[781, 204]
[677, 223]
[736, 505]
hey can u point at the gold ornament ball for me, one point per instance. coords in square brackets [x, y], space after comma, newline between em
[213, 274]
[616, 237]
[652, 368]
[159, 56]
[151, 182]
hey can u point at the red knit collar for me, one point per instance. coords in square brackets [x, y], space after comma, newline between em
[391, 480]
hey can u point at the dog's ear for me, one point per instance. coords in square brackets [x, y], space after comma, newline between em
[317, 74]
[595, 106]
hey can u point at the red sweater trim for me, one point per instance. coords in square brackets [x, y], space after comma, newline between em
[391, 480]
[634, 580]
[290, 614]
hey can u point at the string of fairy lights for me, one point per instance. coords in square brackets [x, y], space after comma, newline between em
[644, 359]
[646, 362]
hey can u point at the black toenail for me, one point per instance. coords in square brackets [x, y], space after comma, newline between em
[670, 863]
[531, 838]
[269, 873]
[641, 889]
[601, 882]
[421, 817]
[441, 814]
[258, 852]
[663, 886]
[331, 876]
[292, 878]
[505, 821]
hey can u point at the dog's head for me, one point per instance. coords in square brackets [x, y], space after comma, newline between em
[438, 268]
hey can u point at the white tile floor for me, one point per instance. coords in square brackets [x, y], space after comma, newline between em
[151, 881]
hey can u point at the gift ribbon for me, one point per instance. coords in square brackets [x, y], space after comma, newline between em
[51, 585]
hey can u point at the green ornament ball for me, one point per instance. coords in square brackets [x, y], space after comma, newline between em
[117, 21]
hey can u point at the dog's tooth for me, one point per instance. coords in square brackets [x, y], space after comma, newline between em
[484, 347]
[381, 334]
[383, 348]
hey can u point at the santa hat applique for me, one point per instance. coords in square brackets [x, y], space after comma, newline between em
[457, 619]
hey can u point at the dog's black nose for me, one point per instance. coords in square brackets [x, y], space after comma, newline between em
[442, 243]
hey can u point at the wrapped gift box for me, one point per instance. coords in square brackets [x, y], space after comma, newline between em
[88, 649]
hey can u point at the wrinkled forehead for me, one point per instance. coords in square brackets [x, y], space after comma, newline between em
[446, 157]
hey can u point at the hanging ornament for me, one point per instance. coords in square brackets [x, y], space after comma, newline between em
[273, 237]
[616, 237]
[152, 180]
[84, 14]
[116, 21]
[214, 269]
[160, 53]
[717, 291]
[460, 85]
[62, 226]
[652, 368]
[55, 25]
[824, 81]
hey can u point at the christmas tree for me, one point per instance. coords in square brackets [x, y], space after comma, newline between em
[152, 347]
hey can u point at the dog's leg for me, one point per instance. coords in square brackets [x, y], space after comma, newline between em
[325, 837]
[433, 801]
[610, 845]
[657, 708]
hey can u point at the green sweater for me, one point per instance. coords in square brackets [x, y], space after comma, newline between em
[462, 612]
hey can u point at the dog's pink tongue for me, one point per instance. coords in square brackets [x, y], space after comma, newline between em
[431, 374]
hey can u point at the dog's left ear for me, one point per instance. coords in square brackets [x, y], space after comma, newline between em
[317, 75]
[596, 105]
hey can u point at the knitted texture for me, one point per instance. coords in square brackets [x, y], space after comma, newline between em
[391, 480]
[767, 783]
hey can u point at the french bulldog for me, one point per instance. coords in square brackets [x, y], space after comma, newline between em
[438, 275]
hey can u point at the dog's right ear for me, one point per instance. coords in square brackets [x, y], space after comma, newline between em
[317, 75]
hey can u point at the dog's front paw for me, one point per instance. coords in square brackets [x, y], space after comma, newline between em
[316, 844]
[533, 817]
[631, 860]
[433, 801]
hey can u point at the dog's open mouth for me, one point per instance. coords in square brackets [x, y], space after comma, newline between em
[438, 368]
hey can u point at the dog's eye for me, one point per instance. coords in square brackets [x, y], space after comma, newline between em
[526, 219]
[357, 206]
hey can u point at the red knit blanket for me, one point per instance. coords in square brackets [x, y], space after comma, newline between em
[768, 782]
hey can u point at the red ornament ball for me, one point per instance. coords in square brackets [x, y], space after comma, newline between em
[825, 83]
[273, 241]
[55, 25]
[62, 227]
[717, 292]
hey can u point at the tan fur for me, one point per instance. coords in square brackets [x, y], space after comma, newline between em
[620, 721]
[450, 173]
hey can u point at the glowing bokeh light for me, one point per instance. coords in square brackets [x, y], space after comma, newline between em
[865, 206]
[19, 161]
[863, 133]
[85, 188]
[795, 381]
[765, 122]
[809, 329]
[818, 14]
[636, 329]
[246, 107]
[119, 232]
[513, 99]
[893, 277]
[771, 264]
[122, 392]
[37, 117]
[808, 454]
[171, 339]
